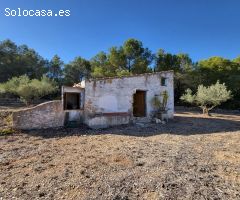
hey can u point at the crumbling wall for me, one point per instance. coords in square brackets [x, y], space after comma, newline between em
[105, 121]
[45, 115]
[116, 95]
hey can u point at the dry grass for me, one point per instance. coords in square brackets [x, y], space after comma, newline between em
[191, 157]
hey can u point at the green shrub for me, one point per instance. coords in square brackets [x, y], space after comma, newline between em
[160, 102]
[98, 72]
[6, 131]
[29, 90]
[121, 73]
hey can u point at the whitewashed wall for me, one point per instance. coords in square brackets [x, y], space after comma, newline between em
[116, 95]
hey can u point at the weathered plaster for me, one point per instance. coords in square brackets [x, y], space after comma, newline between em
[106, 121]
[116, 95]
[45, 115]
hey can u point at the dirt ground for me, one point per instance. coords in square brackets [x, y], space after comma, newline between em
[190, 157]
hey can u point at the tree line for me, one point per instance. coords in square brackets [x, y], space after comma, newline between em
[132, 57]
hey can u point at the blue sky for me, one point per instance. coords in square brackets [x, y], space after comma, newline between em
[201, 28]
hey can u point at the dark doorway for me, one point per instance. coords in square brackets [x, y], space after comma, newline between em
[72, 101]
[139, 104]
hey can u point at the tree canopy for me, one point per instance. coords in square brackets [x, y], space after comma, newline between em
[132, 57]
[76, 70]
[208, 97]
[137, 57]
[55, 69]
[167, 61]
[20, 60]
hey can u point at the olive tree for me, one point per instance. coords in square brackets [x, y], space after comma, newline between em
[207, 98]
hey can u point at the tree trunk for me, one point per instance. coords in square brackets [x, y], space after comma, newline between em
[129, 65]
[206, 111]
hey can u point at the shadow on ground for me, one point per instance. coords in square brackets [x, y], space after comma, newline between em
[182, 124]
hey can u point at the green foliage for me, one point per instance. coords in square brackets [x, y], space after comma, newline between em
[2, 91]
[138, 58]
[117, 58]
[129, 58]
[123, 73]
[224, 70]
[165, 97]
[218, 64]
[76, 71]
[132, 56]
[19, 60]
[184, 80]
[6, 131]
[97, 72]
[8, 120]
[237, 60]
[160, 102]
[217, 68]
[188, 96]
[27, 89]
[55, 68]
[156, 103]
[179, 63]
[12, 85]
[101, 66]
[209, 97]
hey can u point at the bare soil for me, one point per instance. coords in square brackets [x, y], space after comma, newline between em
[191, 157]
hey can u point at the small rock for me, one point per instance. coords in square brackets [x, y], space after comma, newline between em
[42, 194]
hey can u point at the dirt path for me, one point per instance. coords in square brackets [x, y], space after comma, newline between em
[172, 161]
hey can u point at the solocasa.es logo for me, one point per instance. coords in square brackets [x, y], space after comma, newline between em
[35, 13]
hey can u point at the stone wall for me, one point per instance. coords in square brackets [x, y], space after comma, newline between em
[45, 115]
[107, 121]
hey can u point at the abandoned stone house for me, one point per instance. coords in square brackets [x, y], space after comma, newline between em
[101, 102]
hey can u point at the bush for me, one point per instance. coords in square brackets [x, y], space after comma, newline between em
[121, 73]
[160, 102]
[29, 90]
[98, 72]
[6, 131]
[8, 120]
[208, 98]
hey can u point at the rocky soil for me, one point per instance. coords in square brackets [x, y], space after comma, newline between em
[190, 157]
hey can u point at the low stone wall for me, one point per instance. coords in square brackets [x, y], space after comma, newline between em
[105, 121]
[45, 115]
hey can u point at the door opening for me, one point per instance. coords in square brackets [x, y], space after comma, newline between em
[139, 104]
[72, 101]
